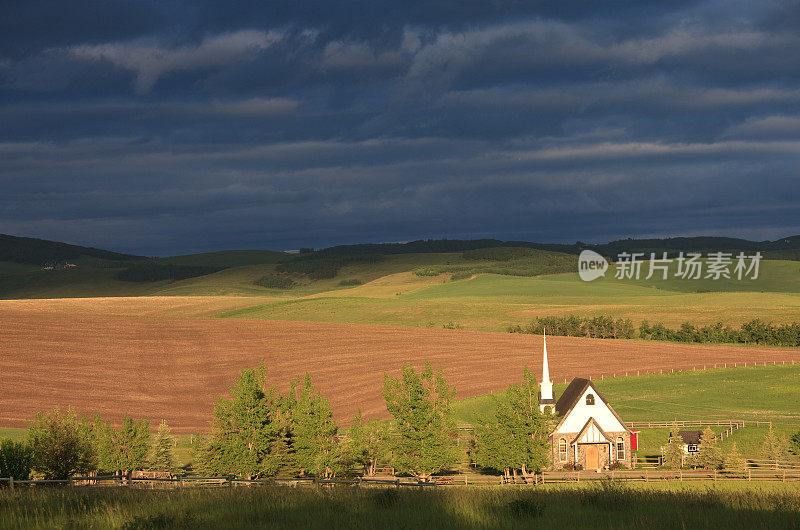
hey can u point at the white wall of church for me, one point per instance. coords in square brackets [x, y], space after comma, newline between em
[582, 412]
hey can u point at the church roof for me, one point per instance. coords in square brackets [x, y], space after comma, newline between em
[572, 394]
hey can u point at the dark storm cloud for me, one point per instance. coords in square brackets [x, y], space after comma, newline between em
[162, 127]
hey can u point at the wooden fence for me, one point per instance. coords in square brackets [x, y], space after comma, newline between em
[695, 368]
[179, 482]
[655, 462]
[751, 474]
[681, 475]
[697, 424]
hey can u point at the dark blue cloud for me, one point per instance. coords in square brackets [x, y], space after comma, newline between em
[166, 126]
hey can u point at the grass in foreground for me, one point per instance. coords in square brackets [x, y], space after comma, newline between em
[595, 506]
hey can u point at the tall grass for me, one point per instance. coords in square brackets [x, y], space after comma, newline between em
[598, 506]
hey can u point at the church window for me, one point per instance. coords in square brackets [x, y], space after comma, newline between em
[590, 399]
[620, 448]
[562, 450]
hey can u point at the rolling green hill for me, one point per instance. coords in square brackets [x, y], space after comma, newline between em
[228, 258]
[492, 302]
[779, 249]
[480, 288]
[39, 251]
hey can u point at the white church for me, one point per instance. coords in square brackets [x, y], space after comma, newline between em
[589, 433]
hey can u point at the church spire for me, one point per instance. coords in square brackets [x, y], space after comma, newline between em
[546, 386]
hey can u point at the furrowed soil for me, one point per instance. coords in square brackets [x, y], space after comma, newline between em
[159, 358]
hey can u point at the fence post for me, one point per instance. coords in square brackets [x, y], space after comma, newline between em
[11, 483]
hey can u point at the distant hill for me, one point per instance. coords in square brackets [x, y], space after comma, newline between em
[228, 258]
[784, 248]
[104, 273]
[37, 268]
[39, 251]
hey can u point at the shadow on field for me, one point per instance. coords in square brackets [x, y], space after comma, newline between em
[599, 506]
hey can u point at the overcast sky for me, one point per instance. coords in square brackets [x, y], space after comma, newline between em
[164, 127]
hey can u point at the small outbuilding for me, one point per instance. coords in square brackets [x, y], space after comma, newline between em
[691, 442]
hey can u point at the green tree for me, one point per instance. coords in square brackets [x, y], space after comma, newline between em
[794, 444]
[492, 449]
[734, 461]
[61, 444]
[250, 437]
[775, 448]
[206, 455]
[709, 456]
[784, 453]
[420, 406]
[314, 430]
[517, 438]
[124, 449]
[163, 458]
[673, 452]
[366, 443]
[15, 459]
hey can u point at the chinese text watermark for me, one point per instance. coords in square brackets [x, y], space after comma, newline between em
[688, 266]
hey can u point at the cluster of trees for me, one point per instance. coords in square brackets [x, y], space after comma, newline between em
[504, 260]
[604, 327]
[516, 438]
[62, 444]
[709, 455]
[436, 245]
[774, 448]
[754, 332]
[274, 281]
[319, 268]
[259, 432]
[601, 327]
[499, 253]
[351, 282]
[151, 271]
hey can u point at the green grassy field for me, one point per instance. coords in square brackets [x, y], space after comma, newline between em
[752, 393]
[492, 302]
[566, 506]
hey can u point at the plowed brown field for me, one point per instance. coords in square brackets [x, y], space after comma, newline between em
[115, 356]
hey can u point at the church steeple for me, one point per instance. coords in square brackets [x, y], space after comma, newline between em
[546, 386]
